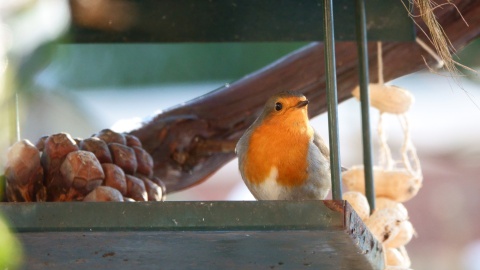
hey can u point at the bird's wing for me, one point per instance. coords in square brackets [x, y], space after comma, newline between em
[318, 141]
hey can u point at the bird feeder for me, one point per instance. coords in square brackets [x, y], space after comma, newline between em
[219, 235]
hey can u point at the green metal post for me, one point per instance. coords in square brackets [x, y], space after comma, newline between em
[361, 31]
[331, 84]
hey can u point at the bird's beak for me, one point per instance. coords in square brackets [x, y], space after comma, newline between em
[302, 104]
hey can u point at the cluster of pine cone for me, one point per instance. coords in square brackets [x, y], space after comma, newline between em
[108, 166]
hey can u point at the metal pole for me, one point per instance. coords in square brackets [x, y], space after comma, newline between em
[331, 84]
[361, 32]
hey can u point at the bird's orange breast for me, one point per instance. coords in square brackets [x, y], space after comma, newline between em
[280, 145]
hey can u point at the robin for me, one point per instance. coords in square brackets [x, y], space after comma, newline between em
[280, 156]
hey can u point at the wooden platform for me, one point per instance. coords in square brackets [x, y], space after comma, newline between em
[193, 235]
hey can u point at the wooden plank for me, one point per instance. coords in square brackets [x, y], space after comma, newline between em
[145, 216]
[194, 235]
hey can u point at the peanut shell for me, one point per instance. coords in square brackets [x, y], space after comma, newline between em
[359, 203]
[388, 98]
[398, 185]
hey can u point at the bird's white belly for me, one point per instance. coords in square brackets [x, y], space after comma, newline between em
[316, 186]
[268, 189]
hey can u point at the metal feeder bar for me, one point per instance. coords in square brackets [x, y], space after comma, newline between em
[361, 31]
[331, 83]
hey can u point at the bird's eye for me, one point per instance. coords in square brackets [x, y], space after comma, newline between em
[278, 106]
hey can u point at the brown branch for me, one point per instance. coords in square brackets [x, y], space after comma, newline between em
[192, 141]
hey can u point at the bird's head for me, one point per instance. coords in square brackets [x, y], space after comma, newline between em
[286, 108]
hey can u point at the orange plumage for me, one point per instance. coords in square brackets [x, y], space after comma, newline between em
[278, 155]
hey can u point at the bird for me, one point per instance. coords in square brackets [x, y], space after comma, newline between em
[280, 156]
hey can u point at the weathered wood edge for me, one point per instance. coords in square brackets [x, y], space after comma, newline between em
[173, 216]
[363, 238]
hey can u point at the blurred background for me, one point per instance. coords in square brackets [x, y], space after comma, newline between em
[51, 86]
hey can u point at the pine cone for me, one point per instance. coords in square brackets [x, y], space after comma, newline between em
[56, 149]
[136, 189]
[83, 173]
[108, 166]
[98, 147]
[104, 194]
[154, 191]
[24, 173]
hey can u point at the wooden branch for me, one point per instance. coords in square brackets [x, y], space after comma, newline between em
[192, 141]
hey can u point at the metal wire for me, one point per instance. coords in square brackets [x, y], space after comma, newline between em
[361, 32]
[331, 84]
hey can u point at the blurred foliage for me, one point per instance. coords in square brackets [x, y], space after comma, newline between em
[2, 187]
[29, 66]
[10, 248]
[79, 66]
[7, 112]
